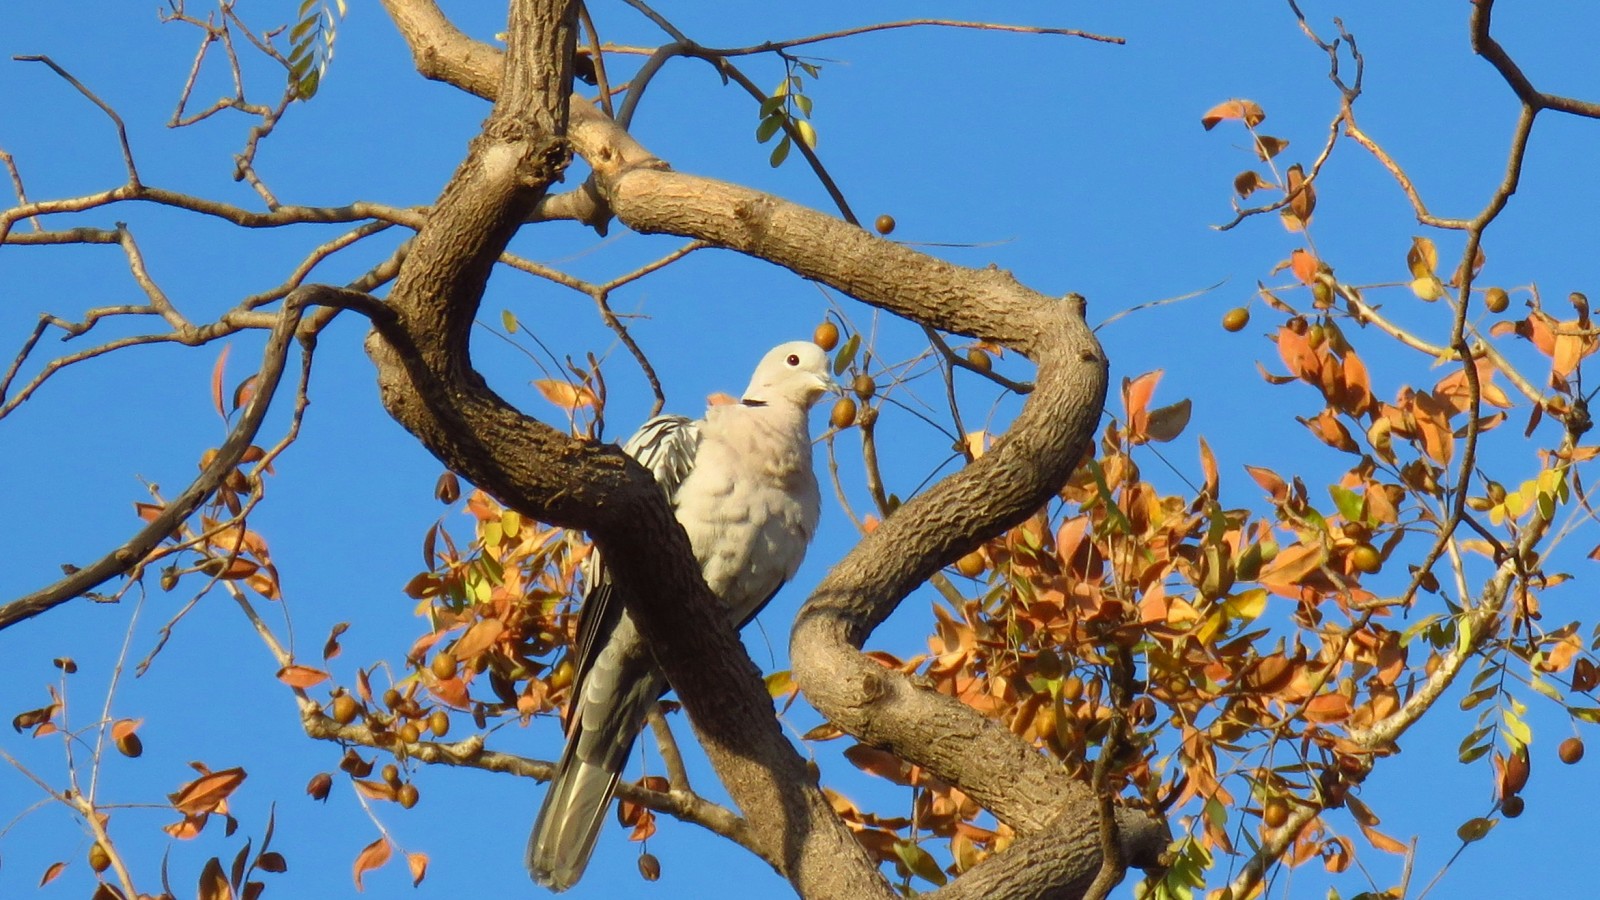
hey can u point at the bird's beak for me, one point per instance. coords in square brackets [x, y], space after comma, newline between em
[824, 386]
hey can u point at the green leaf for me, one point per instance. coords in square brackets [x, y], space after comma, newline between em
[780, 152]
[1475, 829]
[508, 320]
[920, 862]
[847, 354]
[771, 105]
[1585, 714]
[1476, 697]
[768, 127]
[803, 102]
[1348, 502]
[301, 28]
[808, 68]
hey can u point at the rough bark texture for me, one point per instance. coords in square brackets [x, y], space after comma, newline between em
[428, 385]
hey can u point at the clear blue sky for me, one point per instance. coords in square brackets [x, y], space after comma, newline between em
[1079, 166]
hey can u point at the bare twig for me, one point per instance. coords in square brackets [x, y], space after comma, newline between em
[122, 131]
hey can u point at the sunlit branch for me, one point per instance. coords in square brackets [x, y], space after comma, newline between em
[772, 46]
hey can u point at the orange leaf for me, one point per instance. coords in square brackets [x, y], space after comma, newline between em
[1328, 708]
[1357, 393]
[1247, 110]
[565, 394]
[880, 763]
[480, 637]
[1136, 395]
[1328, 429]
[1292, 565]
[1304, 265]
[205, 793]
[1382, 841]
[124, 727]
[1270, 482]
[186, 828]
[52, 873]
[373, 856]
[216, 380]
[375, 790]
[301, 677]
[245, 392]
[1208, 467]
[418, 863]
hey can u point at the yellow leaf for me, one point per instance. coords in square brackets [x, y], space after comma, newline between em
[1427, 287]
[1422, 259]
[1247, 605]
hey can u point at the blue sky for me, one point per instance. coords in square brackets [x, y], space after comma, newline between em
[1079, 166]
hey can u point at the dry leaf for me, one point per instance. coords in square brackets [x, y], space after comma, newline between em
[570, 397]
[1247, 110]
[373, 856]
[207, 792]
[301, 677]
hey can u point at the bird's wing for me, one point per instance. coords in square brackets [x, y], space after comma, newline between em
[665, 445]
[614, 684]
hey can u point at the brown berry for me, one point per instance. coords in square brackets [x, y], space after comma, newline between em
[130, 746]
[444, 665]
[1511, 807]
[979, 360]
[390, 774]
[99, 859]
[409, 732]
[649, 866]
[439, 722]
[1571, 750]
[319, 785]
[826, 336]
[844, 413]
[864, 386]
[971, 565]
[884, 224]
[1236, 319]
[391, 698]
[1496, 300]
[1275, 812]
[407, 795]
[345, 709]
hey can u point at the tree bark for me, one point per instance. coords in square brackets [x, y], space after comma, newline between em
[429, 386]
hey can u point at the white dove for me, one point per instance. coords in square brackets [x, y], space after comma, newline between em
[742, 486]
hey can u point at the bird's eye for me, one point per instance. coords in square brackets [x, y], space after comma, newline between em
[794, 359]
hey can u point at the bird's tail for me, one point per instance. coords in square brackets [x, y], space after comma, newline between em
[600, 737]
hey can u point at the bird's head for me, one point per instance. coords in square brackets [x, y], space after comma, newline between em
[796, 372]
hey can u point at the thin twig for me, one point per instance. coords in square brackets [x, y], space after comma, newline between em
[122, 131]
